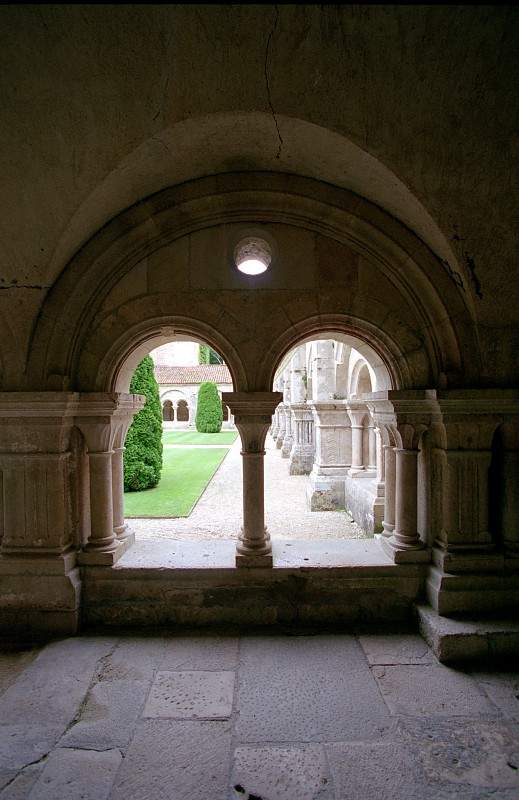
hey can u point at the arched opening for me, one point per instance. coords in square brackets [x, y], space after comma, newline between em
[182, 411]
[191, 454]
[168, 414]
[326, 428]
[360, 289]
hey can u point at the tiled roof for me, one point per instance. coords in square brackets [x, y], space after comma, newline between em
[195, 374]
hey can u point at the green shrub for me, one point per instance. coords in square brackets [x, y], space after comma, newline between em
[143, 453]
[209, 409]
[206, 355]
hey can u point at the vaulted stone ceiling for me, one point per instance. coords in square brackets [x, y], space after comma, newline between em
[415, 108]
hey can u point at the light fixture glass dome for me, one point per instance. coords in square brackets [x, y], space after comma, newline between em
[252, 255]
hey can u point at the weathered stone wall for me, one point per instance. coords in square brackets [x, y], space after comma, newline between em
[105, 106]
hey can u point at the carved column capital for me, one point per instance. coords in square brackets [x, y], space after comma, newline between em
[252, 413]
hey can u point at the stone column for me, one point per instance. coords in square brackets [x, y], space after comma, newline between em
[102, 536]
[253, 415]
[510, 512]
[274, 428]
[372, 447]
[121, 529]
[380, 460]
[357, 413]
[388, 524]
[282, 417]
[303, 450]
[100, 422]
[288, 441]
[297, 373]
[405, 543]
[323, 372]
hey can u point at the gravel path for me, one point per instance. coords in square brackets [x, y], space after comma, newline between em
[218, 514]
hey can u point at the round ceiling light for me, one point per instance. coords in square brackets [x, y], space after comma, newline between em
[252, 255]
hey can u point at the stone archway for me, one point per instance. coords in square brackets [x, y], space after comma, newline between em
[182, 411]
[164, 268]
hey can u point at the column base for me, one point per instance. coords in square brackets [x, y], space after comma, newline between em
[301, 462]
[287, 447]
[109, 556]
[418, 555]
[40, 595]
[326, 492]
[247, 556]
[360, 472]
[479, 560]
[252, 560]
[472, 593]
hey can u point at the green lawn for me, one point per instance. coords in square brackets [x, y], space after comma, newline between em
[192, 437]
[185, 474]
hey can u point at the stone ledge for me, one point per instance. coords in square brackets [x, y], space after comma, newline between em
[457, 640]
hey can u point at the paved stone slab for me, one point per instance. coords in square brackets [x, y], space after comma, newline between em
[478, 758]
[109, 716]
[12, 664]
[52, 687]
[431, 689]
[396, 649]
[176, 760]
[307, 689]
[26, 742]
[135, 658]
[6, 777]
[191, 695]
[503, 691]
[283, 773]
[77, 775]
[200, 653]
[369, 771]
[22, 784]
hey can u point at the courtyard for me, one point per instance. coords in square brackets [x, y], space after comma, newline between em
[218, 512]
[277, 717]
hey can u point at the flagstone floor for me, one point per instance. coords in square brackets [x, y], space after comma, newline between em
[253, 717]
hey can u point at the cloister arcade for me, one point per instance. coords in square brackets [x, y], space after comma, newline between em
[387, 422]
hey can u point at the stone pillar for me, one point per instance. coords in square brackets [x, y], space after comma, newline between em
[372, 447]
[297, 373]
[323, 372]
[380, 459]
[39, 529]
[274, 428]
[510, 511]
[303, 450]
[405, 533]
[121, 529]
[388, 524]
[357, 413]
[102, 419]
[253, 415]
[282, 418]
[288, 441]
[405, 543]
[325, 490]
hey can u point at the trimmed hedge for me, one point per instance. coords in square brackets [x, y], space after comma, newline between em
[209, 414]
[206, 355]
[143, 453]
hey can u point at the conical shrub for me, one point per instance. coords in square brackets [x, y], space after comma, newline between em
[209, 409]
[143, 453]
